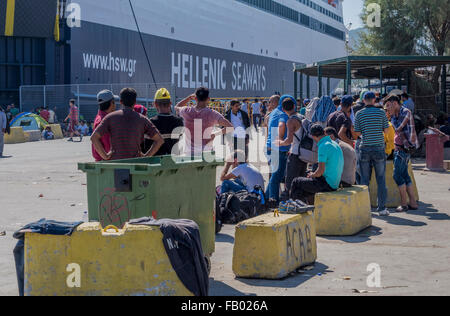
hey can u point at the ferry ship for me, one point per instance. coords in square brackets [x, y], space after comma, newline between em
[236, 48]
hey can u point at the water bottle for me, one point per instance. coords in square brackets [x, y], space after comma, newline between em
[85, 217]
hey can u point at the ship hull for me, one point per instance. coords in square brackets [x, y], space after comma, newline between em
[105, 54]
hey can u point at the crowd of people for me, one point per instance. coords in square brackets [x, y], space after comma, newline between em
[330, 143]
[312, 146]
[336, 142]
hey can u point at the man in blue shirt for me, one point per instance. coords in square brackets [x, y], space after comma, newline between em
[328, 176]
[371, 123]
[277, 155]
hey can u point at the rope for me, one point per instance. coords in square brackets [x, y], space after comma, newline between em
[143, 45]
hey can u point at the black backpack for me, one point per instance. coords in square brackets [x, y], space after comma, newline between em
[228, 209]
[232, 208]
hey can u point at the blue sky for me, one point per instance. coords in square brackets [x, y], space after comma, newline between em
[352, 10]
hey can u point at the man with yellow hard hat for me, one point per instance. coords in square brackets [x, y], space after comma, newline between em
[170, 126]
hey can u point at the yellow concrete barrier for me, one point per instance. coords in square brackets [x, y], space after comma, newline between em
[393, 196]
[32, 136]
[447, 165]
[57, 131]
[268, 247]
[131, 262]
[16, 136]
[345, 212]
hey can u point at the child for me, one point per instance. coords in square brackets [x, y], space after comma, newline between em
[47, 134]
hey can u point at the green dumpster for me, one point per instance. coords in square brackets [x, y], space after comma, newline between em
[161, 187]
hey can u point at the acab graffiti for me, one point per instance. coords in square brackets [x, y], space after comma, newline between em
[298, 245]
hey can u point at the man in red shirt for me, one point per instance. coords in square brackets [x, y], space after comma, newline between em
[107, 105]
[127, 129]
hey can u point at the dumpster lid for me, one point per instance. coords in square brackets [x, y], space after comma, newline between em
[155, 163]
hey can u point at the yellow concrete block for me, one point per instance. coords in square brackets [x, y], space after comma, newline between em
[57, 131]
[132, 262]
[268, 247]
[16, 136]
[393, 196]
[344, 212]
[447, 165]
[32, 136]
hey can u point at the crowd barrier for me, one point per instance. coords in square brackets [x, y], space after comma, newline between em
[345, 212]
[98, 262]
[271, 247]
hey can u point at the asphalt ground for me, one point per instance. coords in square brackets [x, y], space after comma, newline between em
[411, 249]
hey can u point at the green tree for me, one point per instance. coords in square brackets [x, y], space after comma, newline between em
[433, 17]
[408, 27]
[398, 32]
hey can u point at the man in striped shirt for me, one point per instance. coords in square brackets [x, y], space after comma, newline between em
[371, 123]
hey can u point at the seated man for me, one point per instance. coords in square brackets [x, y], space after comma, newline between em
[244, 176]
[328, 175]
[349, 174]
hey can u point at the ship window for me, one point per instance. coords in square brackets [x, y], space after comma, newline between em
[297, 17]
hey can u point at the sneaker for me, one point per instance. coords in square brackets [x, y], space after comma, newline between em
[384, 212]
[70, 140]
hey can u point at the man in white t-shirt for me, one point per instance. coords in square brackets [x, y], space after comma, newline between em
[256, 109]
[244, 175]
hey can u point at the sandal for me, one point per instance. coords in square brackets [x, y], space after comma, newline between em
[402, 209]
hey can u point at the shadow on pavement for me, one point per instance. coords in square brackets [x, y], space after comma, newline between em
[218, 288]
[224, 238]
[427, 210]
[290, 281]
[363, 236]
[5, 157]
[399, 221]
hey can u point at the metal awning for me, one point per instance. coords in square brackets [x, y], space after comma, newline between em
[368, 67]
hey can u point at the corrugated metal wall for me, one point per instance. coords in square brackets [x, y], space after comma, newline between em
[28, 18]
[27, 48]
[22, 62]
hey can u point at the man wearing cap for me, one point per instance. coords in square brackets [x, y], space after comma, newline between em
[371, 123]
[170, 126]
[328, 175]
[127, 129]
[106, 104]
[341, 120]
